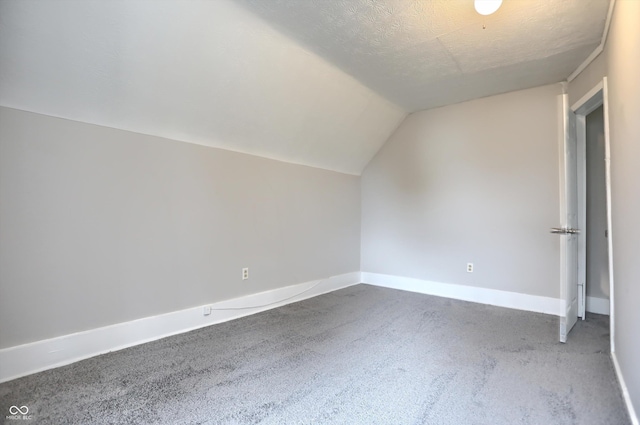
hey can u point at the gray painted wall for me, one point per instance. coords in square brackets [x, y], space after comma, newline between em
[472, 182]
[623, 68]
[597, 252]
[100, 226]
[620, 62]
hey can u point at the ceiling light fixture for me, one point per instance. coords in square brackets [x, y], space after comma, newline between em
[487, 7]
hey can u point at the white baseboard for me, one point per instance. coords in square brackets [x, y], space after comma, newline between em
[598, 305]
[468, 293]
[37, 356]
[625, 391]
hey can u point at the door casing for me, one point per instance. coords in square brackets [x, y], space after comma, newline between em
[594, 98]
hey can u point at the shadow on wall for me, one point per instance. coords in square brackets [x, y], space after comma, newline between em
[471, 182]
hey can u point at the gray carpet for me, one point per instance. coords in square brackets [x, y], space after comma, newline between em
[361, 355]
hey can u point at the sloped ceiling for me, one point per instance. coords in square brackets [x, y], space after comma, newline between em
[315, 82]
[426, 53]
[206, 72]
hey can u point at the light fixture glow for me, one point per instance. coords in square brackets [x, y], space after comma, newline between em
[487, 7]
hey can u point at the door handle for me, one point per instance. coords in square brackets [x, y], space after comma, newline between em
[564, 231]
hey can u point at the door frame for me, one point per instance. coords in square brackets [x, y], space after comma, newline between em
[594, 98]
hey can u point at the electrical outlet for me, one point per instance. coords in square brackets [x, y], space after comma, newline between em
[469, 267]
[206, 310]
[245, 273]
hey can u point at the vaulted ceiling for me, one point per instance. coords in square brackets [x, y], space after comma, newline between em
[426, 53]
[315, 82]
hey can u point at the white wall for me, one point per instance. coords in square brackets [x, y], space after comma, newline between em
[597, 253]
[472, 182]
[587, 79]
[100, 226]
[623, 69]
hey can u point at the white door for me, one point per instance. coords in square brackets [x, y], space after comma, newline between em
[573, 208]
[567, 233]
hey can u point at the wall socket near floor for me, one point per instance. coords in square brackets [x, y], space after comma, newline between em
[245, 273]
[469, 267]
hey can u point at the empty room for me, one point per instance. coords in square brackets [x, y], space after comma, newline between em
[319, 211]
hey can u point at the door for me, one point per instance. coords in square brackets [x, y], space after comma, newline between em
[568, 232]
[573, 208]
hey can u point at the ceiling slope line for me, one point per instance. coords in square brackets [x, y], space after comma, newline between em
[598, 49]
[194, 142]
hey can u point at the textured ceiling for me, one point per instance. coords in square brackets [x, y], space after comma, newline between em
[315, 82]
[426, 53]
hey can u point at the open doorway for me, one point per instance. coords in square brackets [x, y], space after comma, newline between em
[586, 254]
[597, 258]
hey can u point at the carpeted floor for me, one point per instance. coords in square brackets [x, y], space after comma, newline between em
[361, 355]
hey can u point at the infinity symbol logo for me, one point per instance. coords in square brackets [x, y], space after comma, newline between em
[14, 410]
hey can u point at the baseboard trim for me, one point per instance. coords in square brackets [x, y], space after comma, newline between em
[625, 391]
[495, 297]
[38, 356]
[598, 305]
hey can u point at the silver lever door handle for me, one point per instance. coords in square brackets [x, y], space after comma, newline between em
[564, 231]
